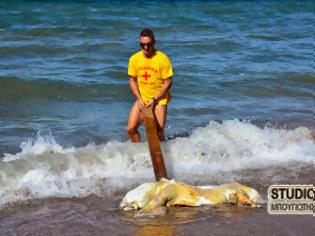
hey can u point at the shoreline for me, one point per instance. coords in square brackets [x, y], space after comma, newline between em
[95, 215]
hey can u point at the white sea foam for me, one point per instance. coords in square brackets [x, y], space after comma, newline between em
[30, 148]
[44, 168]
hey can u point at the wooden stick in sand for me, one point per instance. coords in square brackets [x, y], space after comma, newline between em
[154, 144]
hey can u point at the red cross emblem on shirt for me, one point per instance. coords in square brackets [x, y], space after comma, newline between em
[146, 75]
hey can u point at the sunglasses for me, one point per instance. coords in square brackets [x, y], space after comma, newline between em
[146, 44]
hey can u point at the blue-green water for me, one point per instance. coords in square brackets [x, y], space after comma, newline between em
[63, 66]
[65, 97]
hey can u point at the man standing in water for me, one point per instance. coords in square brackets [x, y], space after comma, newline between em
[150, 78]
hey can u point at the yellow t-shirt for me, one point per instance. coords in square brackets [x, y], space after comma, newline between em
[150, 73]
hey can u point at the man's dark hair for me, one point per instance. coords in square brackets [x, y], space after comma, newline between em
[148, 33]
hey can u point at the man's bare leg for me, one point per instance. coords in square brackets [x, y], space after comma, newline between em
[134, 120]
[160, 112]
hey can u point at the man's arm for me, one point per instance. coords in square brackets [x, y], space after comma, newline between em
[135, 89]
[134, 86]
[167, 83]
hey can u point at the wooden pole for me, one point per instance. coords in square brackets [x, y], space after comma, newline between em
[154, 144]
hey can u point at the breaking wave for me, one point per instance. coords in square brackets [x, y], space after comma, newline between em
[43, 168]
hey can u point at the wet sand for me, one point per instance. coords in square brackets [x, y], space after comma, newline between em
[95, 215]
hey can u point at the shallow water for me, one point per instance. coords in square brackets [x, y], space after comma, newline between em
[99, 216]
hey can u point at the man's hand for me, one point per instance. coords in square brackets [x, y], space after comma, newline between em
[141, 104]
[152, 103]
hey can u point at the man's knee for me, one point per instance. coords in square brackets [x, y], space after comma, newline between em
[134, 135]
